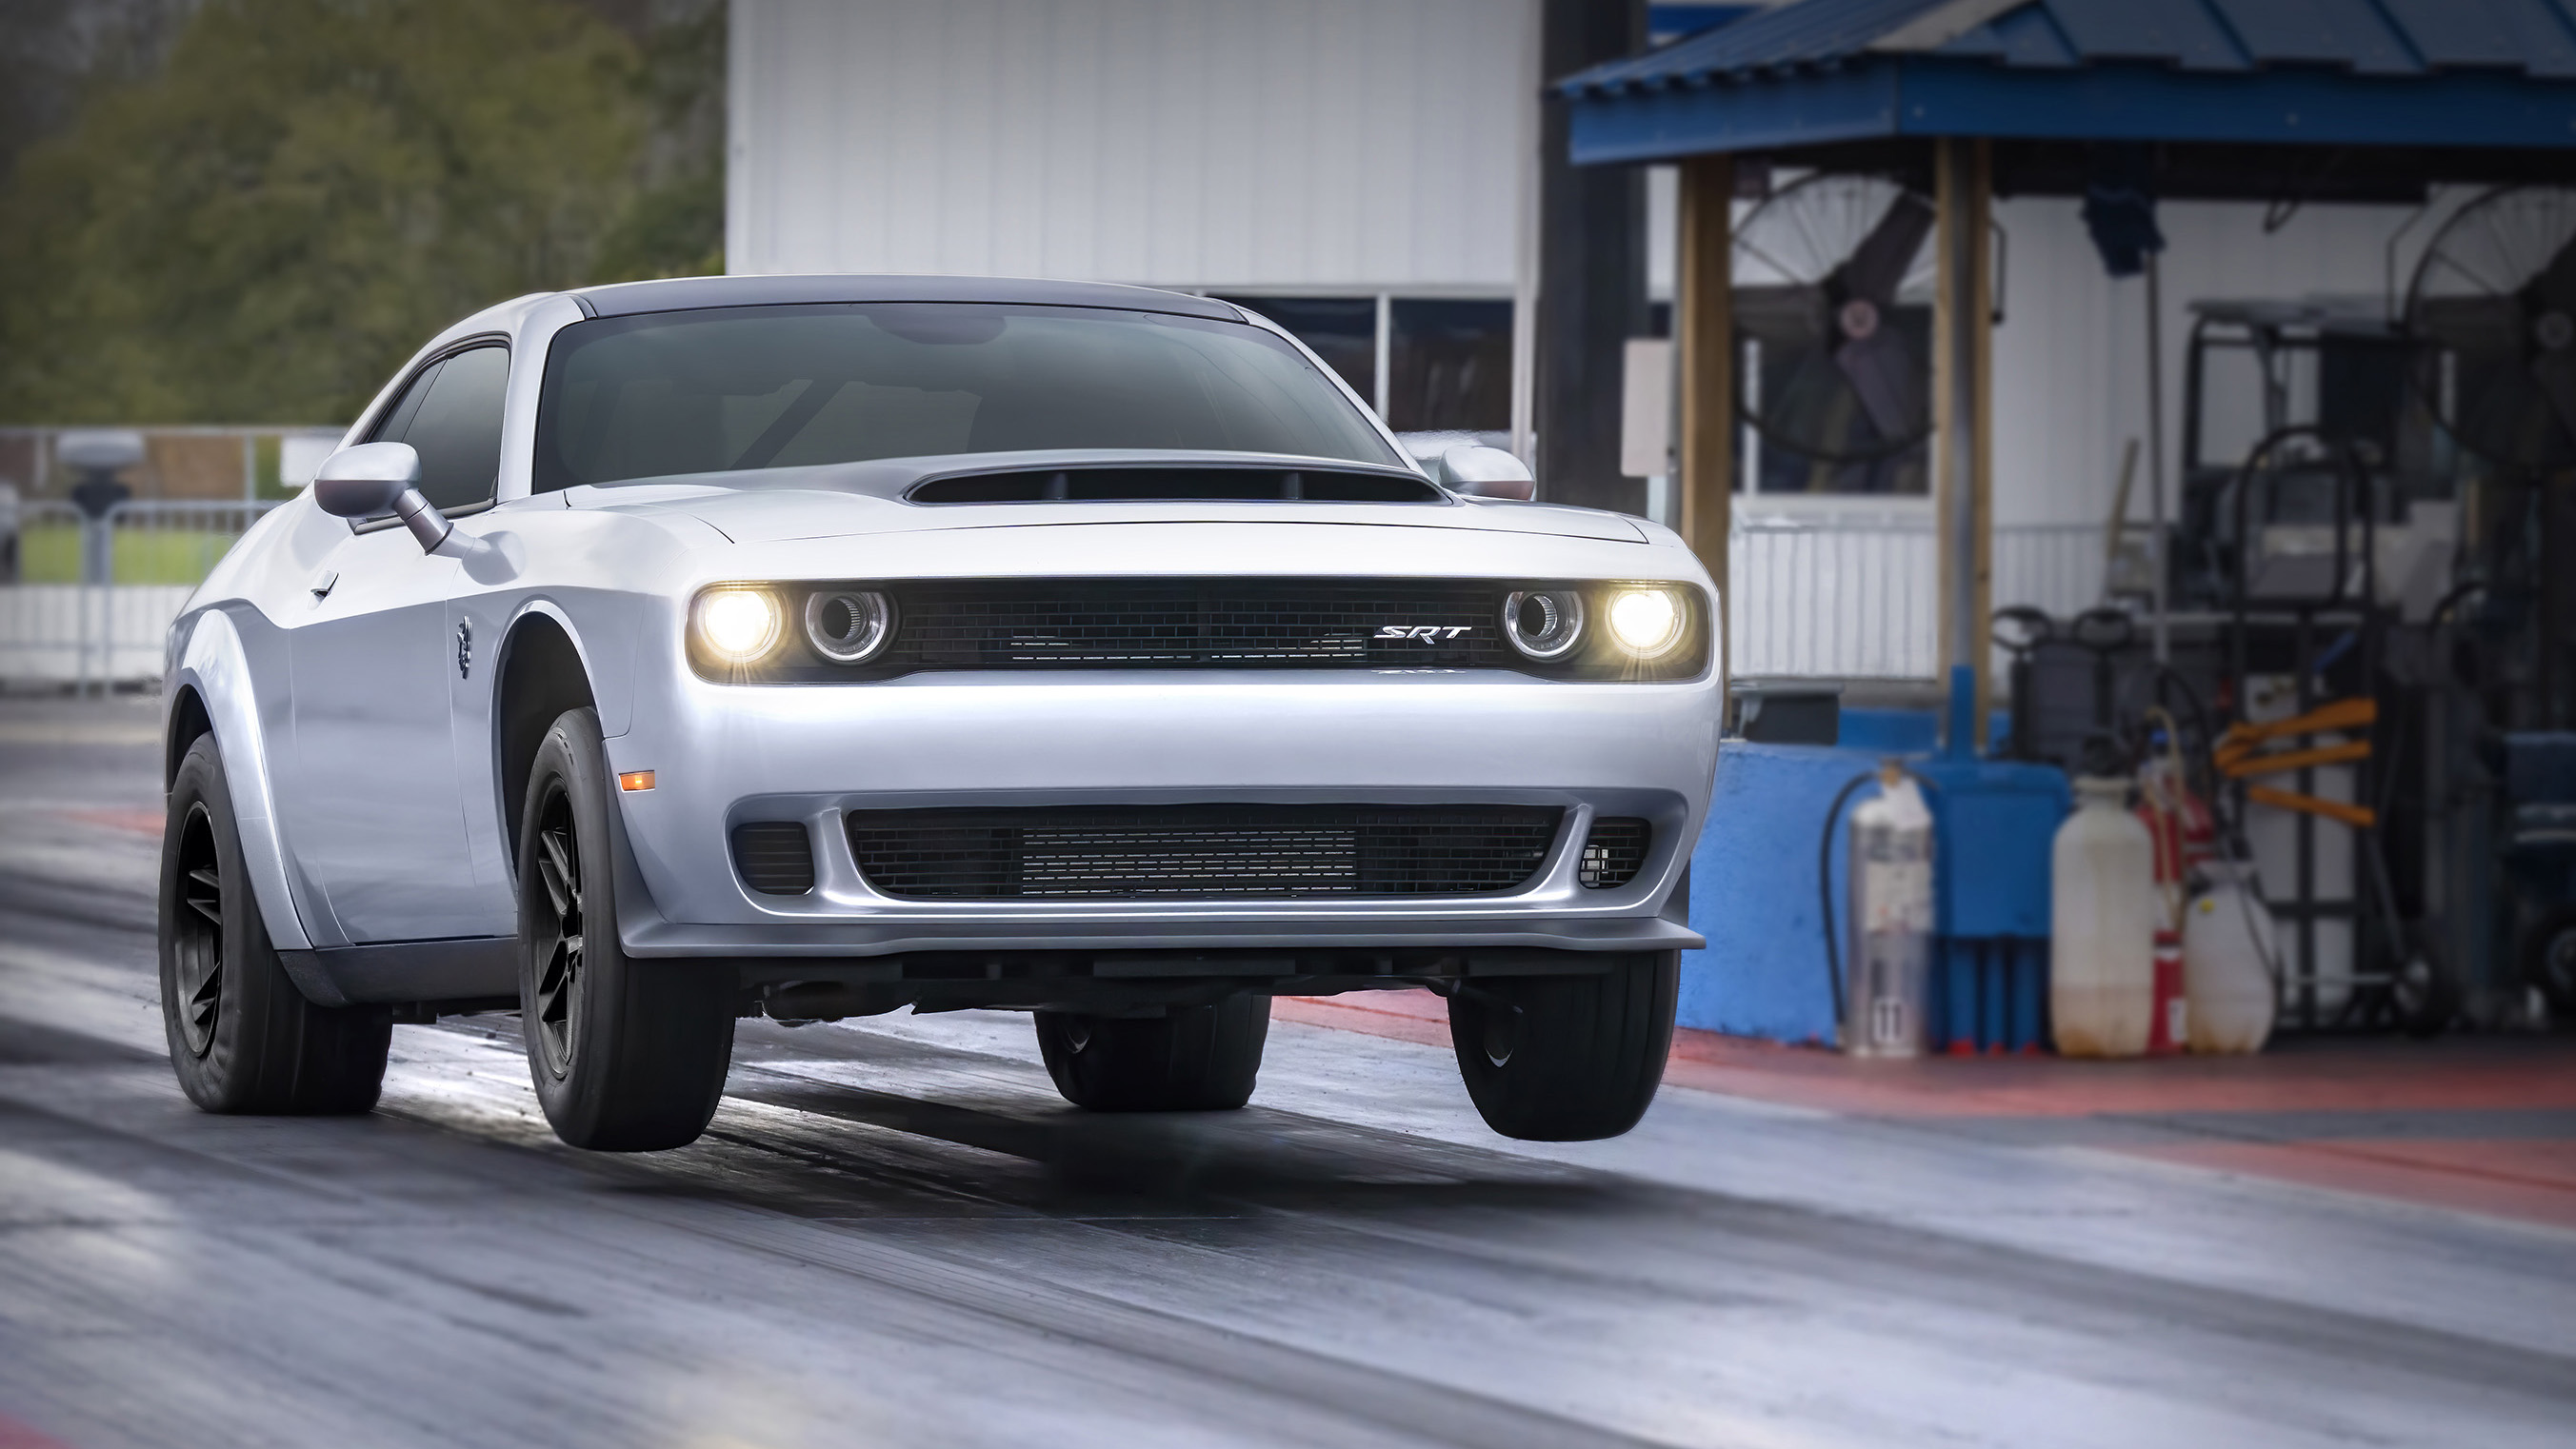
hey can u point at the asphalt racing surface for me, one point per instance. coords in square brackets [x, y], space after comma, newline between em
[896, 1233]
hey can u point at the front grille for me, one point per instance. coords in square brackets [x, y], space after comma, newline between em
[776, 857]
[1192, 624]
[1278, 852]
[1614, 852]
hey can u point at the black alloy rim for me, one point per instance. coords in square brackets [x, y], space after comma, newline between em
[199, 928]
[558, 933]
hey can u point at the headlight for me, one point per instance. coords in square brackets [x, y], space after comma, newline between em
[847, 627]
[1544, 623]
[735, 626]
[1648, 622]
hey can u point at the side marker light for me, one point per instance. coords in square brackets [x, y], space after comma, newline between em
[634, 780]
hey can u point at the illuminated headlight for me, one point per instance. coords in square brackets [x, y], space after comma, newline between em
[848, 626]
[735, 626]
[1646, 622]
[1544, 623]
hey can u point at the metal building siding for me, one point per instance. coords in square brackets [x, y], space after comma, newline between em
[1216, 143]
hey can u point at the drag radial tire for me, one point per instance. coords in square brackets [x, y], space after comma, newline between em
[1567, 1058]
[1191, 1059]
[628, 1055]
[241, 1036]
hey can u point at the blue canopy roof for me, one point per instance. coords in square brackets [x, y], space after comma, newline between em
[2409, 73]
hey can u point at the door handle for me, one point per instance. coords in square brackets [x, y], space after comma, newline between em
[325, 582]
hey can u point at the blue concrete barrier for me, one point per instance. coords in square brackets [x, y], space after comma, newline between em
[1753, 892]
[1753, 887]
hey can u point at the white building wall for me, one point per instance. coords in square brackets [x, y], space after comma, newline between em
[1222, 144]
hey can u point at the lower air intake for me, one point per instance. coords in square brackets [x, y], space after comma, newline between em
[1614, 852]
[776, 857]
[1272, 852]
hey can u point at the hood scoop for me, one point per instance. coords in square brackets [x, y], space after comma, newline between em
[1176, 485]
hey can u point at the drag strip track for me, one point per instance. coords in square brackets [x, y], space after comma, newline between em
[896, 1233]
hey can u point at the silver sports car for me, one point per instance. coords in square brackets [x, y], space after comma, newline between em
[666, 653]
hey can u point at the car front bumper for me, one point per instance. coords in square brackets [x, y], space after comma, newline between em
[727, 754]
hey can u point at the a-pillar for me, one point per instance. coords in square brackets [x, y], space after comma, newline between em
[1962, 386]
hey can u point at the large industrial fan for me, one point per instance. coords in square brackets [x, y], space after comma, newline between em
[2494, 305]
[1833, 315]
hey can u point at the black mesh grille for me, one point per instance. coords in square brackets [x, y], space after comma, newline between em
[1237, 624]
[1227, 851]
[1614, 852]
[775, 857]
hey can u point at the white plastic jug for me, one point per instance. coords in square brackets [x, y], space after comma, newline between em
[2102, 925]
[2227, 950]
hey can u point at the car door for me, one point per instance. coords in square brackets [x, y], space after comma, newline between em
[374, 812]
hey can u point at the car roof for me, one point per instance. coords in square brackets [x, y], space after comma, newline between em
[622, 299]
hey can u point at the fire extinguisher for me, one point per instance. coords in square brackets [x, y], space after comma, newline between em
[1883, 996]
[2185, 837]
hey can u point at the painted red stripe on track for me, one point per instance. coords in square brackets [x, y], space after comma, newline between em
[2534, 1181]
[14, 1435]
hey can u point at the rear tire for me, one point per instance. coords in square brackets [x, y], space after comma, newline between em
[627, 1055]
[1567, 1058]
[1190, 1059]
[242, 1038]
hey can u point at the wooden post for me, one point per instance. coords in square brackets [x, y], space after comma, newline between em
[1962, 384]
[1704, 336]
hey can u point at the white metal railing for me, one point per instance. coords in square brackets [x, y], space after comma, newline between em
[1851, 595]
[61, 624]
[1842, 595]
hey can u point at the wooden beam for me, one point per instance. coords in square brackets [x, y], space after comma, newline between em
[1704, 337]
[1962, 409]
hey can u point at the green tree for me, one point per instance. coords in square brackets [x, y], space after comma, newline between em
[309, 189]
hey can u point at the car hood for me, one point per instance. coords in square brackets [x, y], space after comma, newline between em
[840, 500]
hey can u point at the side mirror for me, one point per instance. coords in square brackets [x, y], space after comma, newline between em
[1481, 472]
[376, 478]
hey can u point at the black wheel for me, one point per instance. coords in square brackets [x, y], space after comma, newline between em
[627, 1055]
[2549, 959]
[2425, 994]
[1567, 1058]
[242, 1038]
[1190, 1059]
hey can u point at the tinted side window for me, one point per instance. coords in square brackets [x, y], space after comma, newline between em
[452, 416]
[407, 406]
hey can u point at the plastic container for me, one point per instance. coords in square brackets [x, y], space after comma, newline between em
[2227, 948]
[2102, 925]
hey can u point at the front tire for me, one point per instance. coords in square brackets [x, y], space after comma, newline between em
[242, 1038]
[1567, 1058]
[1190, 1059]
[627, 1055]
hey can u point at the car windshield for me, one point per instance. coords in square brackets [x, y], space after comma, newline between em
[727, 388]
